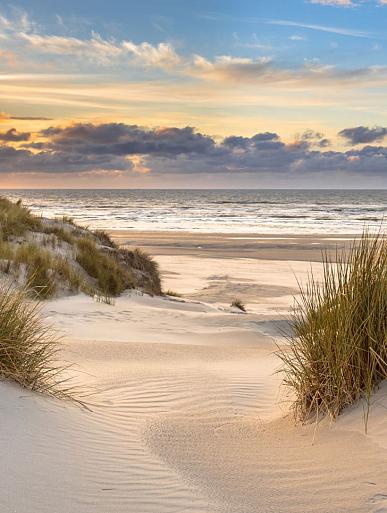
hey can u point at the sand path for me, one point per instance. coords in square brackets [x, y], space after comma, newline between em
[184, 415]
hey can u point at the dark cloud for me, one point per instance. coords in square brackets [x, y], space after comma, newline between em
[3, 115]
[30, 118]
[265, 136]
[236, 141]
[14, 160]
[111, 146]
[12, 135]
[363, 134]
[324, 143]
[313, 138]
[311, 135]
[121, 139]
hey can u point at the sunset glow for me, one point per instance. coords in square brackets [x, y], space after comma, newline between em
[279, 94]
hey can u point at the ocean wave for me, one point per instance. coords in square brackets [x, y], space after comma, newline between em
[214, 211]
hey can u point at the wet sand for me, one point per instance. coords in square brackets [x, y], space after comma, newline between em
[225, 245]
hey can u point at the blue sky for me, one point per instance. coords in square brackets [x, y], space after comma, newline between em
[218, 27]
[223, 68]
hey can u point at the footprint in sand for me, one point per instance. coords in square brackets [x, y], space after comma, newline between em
[379, 499]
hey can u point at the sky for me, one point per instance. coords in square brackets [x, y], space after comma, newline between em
[193, 94]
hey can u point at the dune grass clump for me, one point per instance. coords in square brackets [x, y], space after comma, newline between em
[28, 348]
[60, 232]
[58, 255]
[45, 270]
[338, 349]
[39, 265]
[105, 239]
[15, 219]
[172, 293]
[111, 278]
[237, 303]
[145, 264]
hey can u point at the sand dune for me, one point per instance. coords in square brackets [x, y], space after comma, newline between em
[185, 414]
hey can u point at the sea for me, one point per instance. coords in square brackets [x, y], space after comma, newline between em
[216, 211]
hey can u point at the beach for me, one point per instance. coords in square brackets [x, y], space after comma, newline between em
[193, 256]
[184, 408]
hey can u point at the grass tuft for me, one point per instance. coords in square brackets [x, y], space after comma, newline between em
[15, 219]
[39, 275]
[28, 349]
[237, 303]
[338, 349]
[105, 239]
[111, 277]
[147, 268]
[172, 293]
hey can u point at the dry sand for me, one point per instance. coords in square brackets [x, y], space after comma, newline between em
[186, 413]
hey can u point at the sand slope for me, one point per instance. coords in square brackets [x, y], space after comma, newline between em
[185, 416]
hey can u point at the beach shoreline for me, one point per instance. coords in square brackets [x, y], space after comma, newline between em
[307, 248]
[185, 408]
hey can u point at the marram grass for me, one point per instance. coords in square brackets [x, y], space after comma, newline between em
[338, 347]
[28, 348]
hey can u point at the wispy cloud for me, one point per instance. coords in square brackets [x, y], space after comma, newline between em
[323, 28]
[263, 70]
[343, 31]
[337, 3]
[4, 116]
[106, 52]
[252, 43]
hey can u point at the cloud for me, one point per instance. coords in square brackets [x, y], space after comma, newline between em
[163, 55]
[363, 134]
[216, 16]
[339, 3]
[227, 67]
[94, 52]
[30, 118]
[323, 28]
[263, 70]
[296, 37]
[12, 135]
[122, 140]
[314, 138]
[121, 148]
[4, 116]
[104, 52]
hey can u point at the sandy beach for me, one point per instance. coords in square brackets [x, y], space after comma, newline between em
[193, 256]
[185, 412]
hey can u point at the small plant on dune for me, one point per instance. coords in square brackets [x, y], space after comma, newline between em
[103, 298]
[28, 349]
[39, 266]
[68, 220]
[112, 279]
[15, 219]
[145, 264]
[105, 239]
[60, 232]
[44, 270]
[237, 303]
[172, 293]
[338, 349]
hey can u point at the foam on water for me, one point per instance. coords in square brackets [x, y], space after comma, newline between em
[229, 211]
